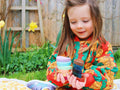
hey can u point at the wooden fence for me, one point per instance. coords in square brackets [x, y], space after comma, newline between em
[110, 13]
[111, 16]
[51, 15]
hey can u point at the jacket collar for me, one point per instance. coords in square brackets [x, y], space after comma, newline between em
[77, 39]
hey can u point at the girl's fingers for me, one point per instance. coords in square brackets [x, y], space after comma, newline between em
[58, 77]
[68, 76]
[85, 75]
[62, 78]
[71, 79]
[74, 82]
[82, 84]
[78, 86]
[70, 72]
[85, 80]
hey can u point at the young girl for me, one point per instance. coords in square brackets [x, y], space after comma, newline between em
[82, 39]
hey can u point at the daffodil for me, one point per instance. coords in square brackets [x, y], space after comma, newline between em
[63, 15]
[2, 24]
[32, 25]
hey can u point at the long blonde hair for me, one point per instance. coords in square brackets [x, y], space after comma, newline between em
[67, 34]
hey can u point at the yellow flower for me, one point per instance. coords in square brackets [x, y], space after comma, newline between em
[30, 0]
[32, 25]
[2, 23]
[63, 15]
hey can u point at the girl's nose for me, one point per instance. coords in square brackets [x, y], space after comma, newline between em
[79, 25]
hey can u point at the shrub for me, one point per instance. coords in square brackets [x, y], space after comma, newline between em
[30, 60]
[117, 55]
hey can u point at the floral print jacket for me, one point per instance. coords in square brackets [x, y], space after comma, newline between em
[99, 63]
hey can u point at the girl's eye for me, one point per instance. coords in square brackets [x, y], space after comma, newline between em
[85, 21]
[73, 22]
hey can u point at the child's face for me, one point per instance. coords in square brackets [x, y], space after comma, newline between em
[80, 21]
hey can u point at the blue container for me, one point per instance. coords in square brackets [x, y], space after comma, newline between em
[64, 63]
[77, 70]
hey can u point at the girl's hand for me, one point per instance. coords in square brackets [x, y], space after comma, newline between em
[60, 78]
[78, 84]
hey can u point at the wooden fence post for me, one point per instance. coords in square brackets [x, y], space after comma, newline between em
[40, 22]
[23, 25]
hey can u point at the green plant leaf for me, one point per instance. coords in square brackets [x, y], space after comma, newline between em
[1, 43]
[7, 68]
[12, 41]
[1, 59]
[4, 49]
[9, 32]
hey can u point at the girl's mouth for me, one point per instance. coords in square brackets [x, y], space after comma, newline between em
[81, 32]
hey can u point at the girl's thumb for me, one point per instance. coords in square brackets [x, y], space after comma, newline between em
[85, 75]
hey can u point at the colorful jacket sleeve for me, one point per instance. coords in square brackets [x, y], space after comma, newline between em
[101, 69]
[52, 71]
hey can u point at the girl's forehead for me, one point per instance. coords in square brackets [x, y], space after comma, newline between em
[81, 11]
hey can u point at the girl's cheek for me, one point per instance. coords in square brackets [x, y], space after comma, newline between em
[72, 27]
[90, 25]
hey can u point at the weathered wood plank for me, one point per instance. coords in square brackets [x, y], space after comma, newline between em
[27, 33]
[0, 5]
[52, 20]
[102, 9]
[26, 8]
[45, 17]
[33, 16]
[23, 25]
[40, 22]
[34, 38]
[116, 23]
[60, 9]
[17, 3]
[31, 3]
[108, 20]
[119, 26]
[20, 28]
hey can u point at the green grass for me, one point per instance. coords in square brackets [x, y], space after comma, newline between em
[38, 75]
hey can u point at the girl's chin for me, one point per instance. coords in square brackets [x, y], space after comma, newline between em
[83, 38]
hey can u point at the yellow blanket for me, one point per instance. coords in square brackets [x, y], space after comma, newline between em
[7, 84]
